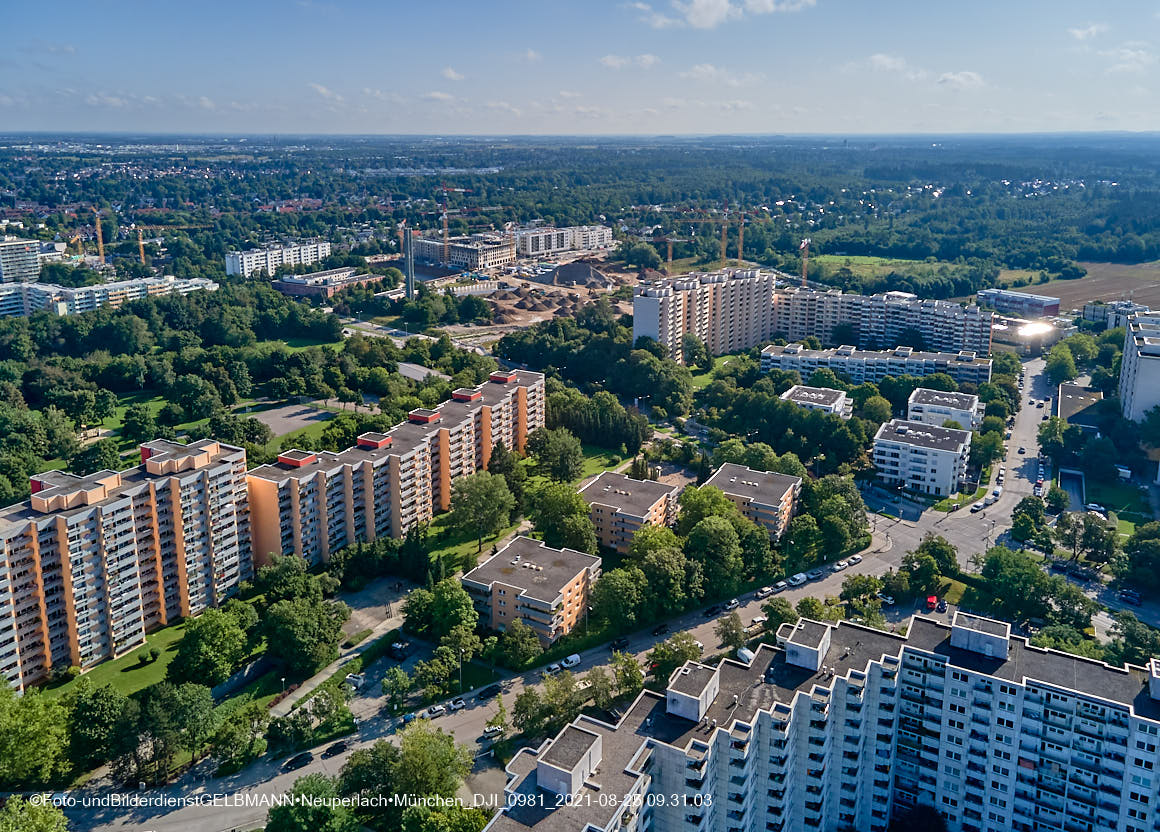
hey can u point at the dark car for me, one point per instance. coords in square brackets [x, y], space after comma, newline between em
[298, 761]
[660, 629]
[712, 611]
[1129, 596]
[942, 605]
[488, 692]
[618, 643]
[335, 749]
[399, 650]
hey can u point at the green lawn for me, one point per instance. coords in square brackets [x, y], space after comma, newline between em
[475, 675]
[299, 344]
[126, 673]
[703, 378]
[1128, 501]
[960, 499]
[458, 549]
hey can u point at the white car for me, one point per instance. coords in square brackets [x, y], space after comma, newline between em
[764, 592]
[840, 565]
[456, 704]
[758, 620]
[434, 711]
[853, 559]
[492, 731]
[1096, 507]
[798, 579]
[733, 604]
[550, 670]
[780, 586]
[887, 600]
[571, 661]
[979, 506]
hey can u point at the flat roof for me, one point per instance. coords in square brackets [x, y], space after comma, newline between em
[1011, 293]
[808, 633]
[1075, 404]
[569, 747]
[824, 396]
[741, 481]
[959, 401]
[541, 572]
[625, 494]
[900, 353]
[405, 436]
[692, 678]
[981, 625]
[919, 435]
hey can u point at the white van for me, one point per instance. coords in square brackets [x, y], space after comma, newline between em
[571, 661]
[798, 579]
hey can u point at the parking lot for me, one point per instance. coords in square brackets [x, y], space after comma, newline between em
[290, 417]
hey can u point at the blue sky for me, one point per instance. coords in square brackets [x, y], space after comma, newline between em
[583, 66]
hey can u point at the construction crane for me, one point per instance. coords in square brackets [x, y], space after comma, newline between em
[141, 246]
[804, 248]
[100, 236]
[80, 245]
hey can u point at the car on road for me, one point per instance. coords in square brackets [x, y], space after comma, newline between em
[887, 600]
[550, 670]
[798, 579]
[979, 506]
[1129, 596]
[335, 749]
[570, 661]
[815, 574]
[840, 565]
[411, 717]
[780, 586]
[618, 643]
[456, 704]
[853, 559]
[488, 692]
[660, 629]
[491, 731]
[1022, 450]
[989, 500]
[298, 761]
[942, 605]
[1096, 507]
[732, 605]
[434, 711]
[764, 592]
[712, 611]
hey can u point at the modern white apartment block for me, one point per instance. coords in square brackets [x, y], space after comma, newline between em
[1113, 314]
[310, 503]
[861, 365]
[267, 260]
[19, 260]
[880, 321]
[767, 498]
[90, 564]
[730, 310]
[473, 252]
[528, 581]
[936, 407]
[545, 241]
[842, 727]
[620, 505]
[825, 399]
[24, 299]
[1140, 367]
[1023, 304]
[924, 458]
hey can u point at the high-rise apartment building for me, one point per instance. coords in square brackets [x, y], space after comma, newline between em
[28, 298]
[862, 365]
[730, 310]
[842, 727]
[527, 581]
[619, 506]
[268, 259]
[767, 498]
[19, 261]
[90, 564]
[312, 503]
[924, 458]
[1140, 367]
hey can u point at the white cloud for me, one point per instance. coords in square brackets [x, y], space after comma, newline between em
[101, 99]
[206, 103]
[621, 61]
[1133, 56]
[325, 92]
[570, 94]
[1089, 31]
[709, 14]
[882, 62]
[720, 75]
[736, 106]
[382, 95]
[965, 80]
[451, 75]
[504, 106]
[436, 95]
[531, 56]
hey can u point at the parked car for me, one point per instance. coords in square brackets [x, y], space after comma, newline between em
[798, 579]
[887, 600]
[491, 731]
[660, 629]
[434, 711]
[571, 661]
[979, 506]
[732, 604]
[488, 692]
[764, 592]
[931, 602]
[618, 643]
[298, 761]
[456, 704]
[335, 749]
[853, 559]
[399, 650]
[1096, 507]
[356, 680]
[758, 620]
[1129, 596]
[942, 605]
[1022, 450]
[411, 717]
[780, 586]
[815, 574]
[840, 565]
[550, 670]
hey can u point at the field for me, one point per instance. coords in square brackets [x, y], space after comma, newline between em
[1129, 502]
[1104, 281]
[865, 266]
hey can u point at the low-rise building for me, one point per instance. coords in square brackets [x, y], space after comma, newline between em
[1140, 367]
[24, 299]
[312, 503]
[861, 365]
[90, 564]
[1023, 304]
[528, 581]
[924, 458]
[323, 284]
[544, 241]
[825, 399]
[937, 407]
[767, 498]
[1113, 314]
[472, 252]
[268, 259]
[1077, 405]
[620, 505]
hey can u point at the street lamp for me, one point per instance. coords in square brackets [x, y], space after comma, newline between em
[283, 684]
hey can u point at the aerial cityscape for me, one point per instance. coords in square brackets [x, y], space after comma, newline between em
[733, 416]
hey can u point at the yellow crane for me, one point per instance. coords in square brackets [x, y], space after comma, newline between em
[100, 237]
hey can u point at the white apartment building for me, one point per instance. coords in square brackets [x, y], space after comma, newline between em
[881, 321]
[924, 458]
[842, 727]
[27, 298]
[729, 310]
[473, 252]
[862, 365]
[545, 241]
[19, 260]
[245, 263]
[1113, 314]
[767, 498]
[89, 565]
[936, 407]
[1140, 367]
[825, 399]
